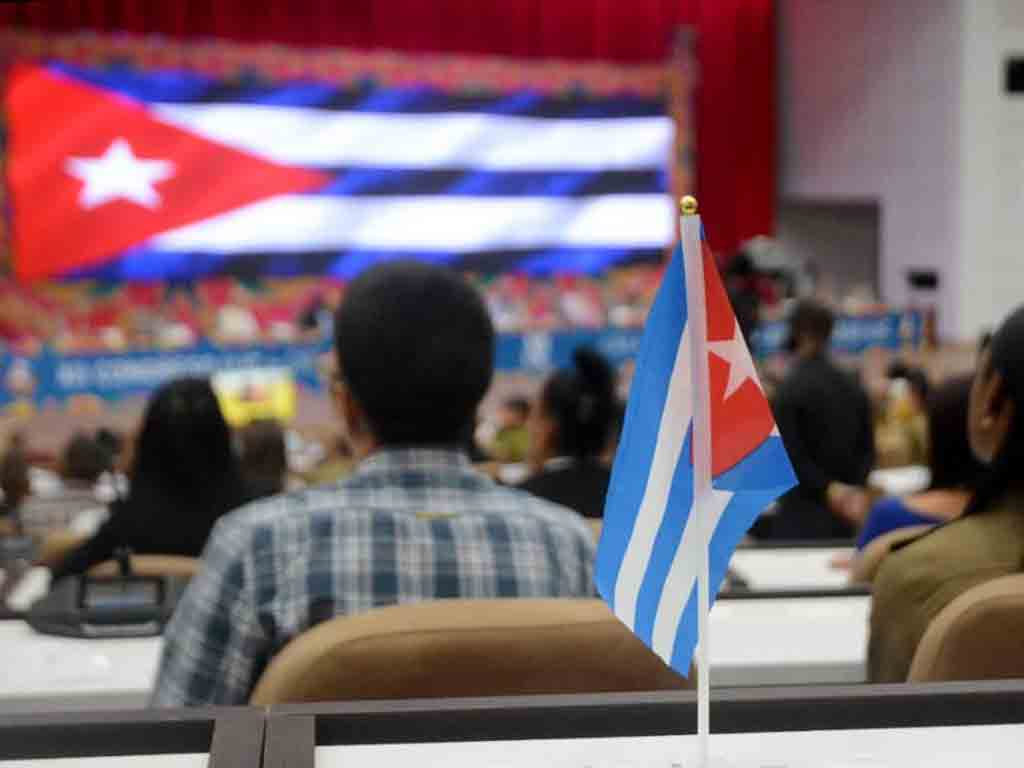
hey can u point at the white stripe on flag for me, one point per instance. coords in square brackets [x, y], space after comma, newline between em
[446, 223]
[327, 138]
[683, 574]
[675, 421]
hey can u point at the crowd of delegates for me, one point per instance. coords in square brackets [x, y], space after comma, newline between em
[87, 317]
[397, 512]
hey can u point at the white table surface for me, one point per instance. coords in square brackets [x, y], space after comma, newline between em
[753, 642]
[794, 568]
[792, 641]
[123, 761]
[978, 746]
[47, 673]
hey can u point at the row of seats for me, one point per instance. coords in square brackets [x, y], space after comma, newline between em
[517, 647]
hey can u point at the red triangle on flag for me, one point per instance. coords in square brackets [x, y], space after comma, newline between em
[741, 418]
[93, 173]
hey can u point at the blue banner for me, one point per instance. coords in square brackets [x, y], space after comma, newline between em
[55, 377]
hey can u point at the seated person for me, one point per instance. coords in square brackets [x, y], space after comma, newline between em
[511, 441]
[916, 582]
[82, 463]
[185, 476]
[415, 521]
[901, 433]
[569, 427]
[263, 458]
[955, 471]
[824, 417]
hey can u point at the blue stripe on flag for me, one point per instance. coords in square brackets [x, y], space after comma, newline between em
[150, 264]
[480, 183]
[666, 543]
[181, 87]
[741, 512]
[649, 391]
[766, 469]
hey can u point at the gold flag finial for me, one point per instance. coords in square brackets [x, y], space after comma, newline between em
[688, 205]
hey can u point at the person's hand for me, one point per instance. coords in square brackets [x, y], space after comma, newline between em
[848, 502]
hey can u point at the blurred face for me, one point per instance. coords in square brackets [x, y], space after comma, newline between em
[509, 418]
[990, 412]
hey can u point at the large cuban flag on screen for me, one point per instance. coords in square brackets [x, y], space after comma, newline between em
[649, 555]
[126, 174]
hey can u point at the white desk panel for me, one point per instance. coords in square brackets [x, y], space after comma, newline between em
[124, 761]
[753, 642]
[792, 641]
[976, 746]
[43, 672]
[795, 568]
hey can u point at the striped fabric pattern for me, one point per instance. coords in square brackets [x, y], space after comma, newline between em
[409, 525]
[522, 181]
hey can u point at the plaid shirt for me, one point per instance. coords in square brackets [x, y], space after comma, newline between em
[409, 525]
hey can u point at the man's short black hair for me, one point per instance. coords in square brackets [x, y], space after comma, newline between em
[811, 318]
[415, 346]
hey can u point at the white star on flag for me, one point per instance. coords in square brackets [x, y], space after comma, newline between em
[741, 366]
[119, 173]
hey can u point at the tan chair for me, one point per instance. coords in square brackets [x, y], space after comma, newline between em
[867, 563]
[978, 636]
[450, 648]
[595, 525]
[57, 546]
[150, 565]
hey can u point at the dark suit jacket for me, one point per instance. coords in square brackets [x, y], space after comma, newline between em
[581, 486]
[824, 417]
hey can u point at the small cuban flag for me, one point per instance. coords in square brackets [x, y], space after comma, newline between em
[699, 458]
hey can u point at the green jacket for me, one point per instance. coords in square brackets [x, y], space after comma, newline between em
[915, 583]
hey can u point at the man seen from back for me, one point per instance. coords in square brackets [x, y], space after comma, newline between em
[414, 522]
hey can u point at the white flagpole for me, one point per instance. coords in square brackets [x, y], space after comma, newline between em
[696, 304]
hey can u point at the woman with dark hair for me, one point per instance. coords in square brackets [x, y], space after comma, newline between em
[185, 476]
[569, 427]
[916, 582]
[955, 471]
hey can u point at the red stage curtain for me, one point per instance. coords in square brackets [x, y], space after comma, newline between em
[735, 51]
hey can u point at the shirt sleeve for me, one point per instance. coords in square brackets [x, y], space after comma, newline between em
[214, 646]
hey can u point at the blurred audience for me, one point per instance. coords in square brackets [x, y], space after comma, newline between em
[916, 582]
[83, 462]
[263, 457]
[415, 521]
[954, 470]
[901, 432]
[741, 283]
[184, 477]
[569, 427]
[824, 417]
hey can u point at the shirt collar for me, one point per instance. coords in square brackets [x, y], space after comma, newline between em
[419, 458]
